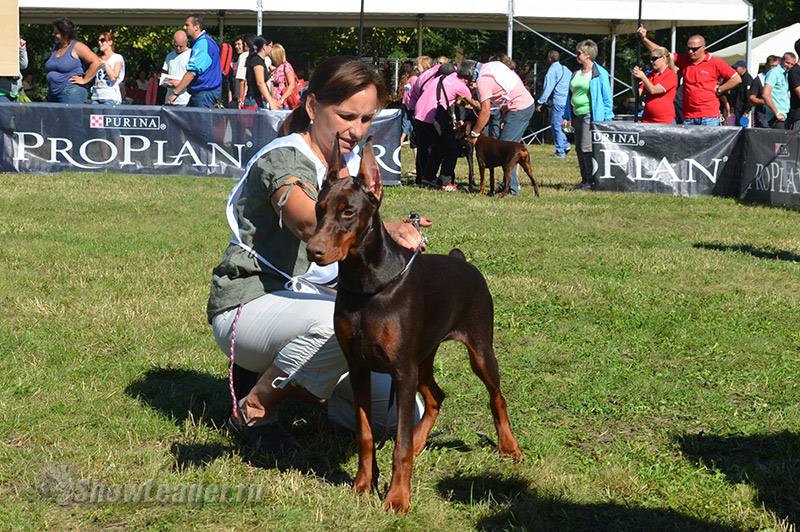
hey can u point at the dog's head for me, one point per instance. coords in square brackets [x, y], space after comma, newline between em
[463, 120]
[345, 207]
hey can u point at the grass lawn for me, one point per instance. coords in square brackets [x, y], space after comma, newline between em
[649, 349]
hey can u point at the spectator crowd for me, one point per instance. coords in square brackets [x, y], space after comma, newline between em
[690, 86]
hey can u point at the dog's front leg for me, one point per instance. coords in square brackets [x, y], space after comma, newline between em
[471, 165]
[367, 476]
[398, 498]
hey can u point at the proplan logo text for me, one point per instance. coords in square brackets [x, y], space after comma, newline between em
[125, 122]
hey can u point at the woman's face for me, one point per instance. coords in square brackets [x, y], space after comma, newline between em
[103, 44]
[350, 119]
[57, 37]
[237, 44]
[658, 62]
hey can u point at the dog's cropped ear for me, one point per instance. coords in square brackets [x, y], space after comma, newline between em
[335, 164]
[369, 173]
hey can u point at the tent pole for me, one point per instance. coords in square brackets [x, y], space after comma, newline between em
[419, 35]
[510, 30]
[361, 31]
[673, 35]
[259, 16]
[613, 54]
[748, 50]
[734, 32]
[221, 16]
[637, 100]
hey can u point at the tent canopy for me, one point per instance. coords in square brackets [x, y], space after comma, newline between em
[776, 42]
[566, 16]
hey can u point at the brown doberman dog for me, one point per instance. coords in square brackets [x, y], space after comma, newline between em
[392, 311]
[492, 153]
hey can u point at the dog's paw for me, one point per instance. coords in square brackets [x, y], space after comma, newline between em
[397, 501]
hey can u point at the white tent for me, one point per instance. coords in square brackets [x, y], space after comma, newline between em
[573, 16]
[774, 43]
[577, 17]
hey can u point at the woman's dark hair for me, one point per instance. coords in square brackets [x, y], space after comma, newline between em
[335, 80]
[466, 69]
[65, 28]
[257, 44]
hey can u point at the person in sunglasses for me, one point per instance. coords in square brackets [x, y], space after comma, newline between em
[660, 87]
[705, 79]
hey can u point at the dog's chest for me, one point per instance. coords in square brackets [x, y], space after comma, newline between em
[368, 338]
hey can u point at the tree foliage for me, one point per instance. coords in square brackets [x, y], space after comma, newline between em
[144, 47]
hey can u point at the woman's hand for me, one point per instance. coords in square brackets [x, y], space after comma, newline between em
[638, 73]
[405, 234]
[77, 80]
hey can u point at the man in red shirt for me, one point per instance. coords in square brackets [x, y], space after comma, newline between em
[705, 79]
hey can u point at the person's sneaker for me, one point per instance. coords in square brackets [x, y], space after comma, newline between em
[271, 437]
[567, 150]
[560, 156]
[582, 186]
[449, 187]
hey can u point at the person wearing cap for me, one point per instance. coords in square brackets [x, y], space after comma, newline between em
[738, 96]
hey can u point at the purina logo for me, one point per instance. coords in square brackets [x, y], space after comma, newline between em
[125, 122]
[782, 150]
[626, 138]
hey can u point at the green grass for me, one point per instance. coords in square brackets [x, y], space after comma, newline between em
[649, 349]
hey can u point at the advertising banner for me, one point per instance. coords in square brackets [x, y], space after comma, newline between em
[43, 137]
[771, 172]
[668, 159]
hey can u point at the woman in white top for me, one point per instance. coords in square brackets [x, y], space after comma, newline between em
[106, 89]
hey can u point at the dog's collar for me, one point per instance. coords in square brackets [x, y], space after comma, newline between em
[399, 275]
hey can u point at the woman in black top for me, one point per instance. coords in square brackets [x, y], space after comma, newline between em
[258, 95]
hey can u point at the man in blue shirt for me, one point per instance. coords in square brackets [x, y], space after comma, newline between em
[203, 78]
[554, 95]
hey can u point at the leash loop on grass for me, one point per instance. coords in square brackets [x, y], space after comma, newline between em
[232, 357]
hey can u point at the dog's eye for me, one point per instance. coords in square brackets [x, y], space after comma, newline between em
[348, 213]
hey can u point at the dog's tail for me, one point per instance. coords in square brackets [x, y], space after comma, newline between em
[455, 252]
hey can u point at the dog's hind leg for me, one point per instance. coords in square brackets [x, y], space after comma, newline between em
[525, 162]
[484, 365]
[433, 396]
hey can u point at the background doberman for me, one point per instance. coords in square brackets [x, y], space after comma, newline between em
[490, 152]
[391, 314]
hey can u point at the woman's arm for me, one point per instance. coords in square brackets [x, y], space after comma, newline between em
[112, 72]
[648, 85]
[292, 82]
[299, 216]
[87, 56]
[258, 72]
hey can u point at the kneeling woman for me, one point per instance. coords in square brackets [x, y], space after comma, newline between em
[269, 307]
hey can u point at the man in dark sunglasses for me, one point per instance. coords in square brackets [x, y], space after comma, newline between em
[705, 79]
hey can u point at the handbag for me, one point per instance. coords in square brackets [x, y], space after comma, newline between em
[293, 99]
[442, 120]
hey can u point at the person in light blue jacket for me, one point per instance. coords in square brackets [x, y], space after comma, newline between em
[590, 100]
[554, 96]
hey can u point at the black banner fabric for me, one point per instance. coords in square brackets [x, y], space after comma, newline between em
[771, 172]
[678, 160]
[134, 139]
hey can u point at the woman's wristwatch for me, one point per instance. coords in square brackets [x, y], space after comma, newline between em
[474, 134]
